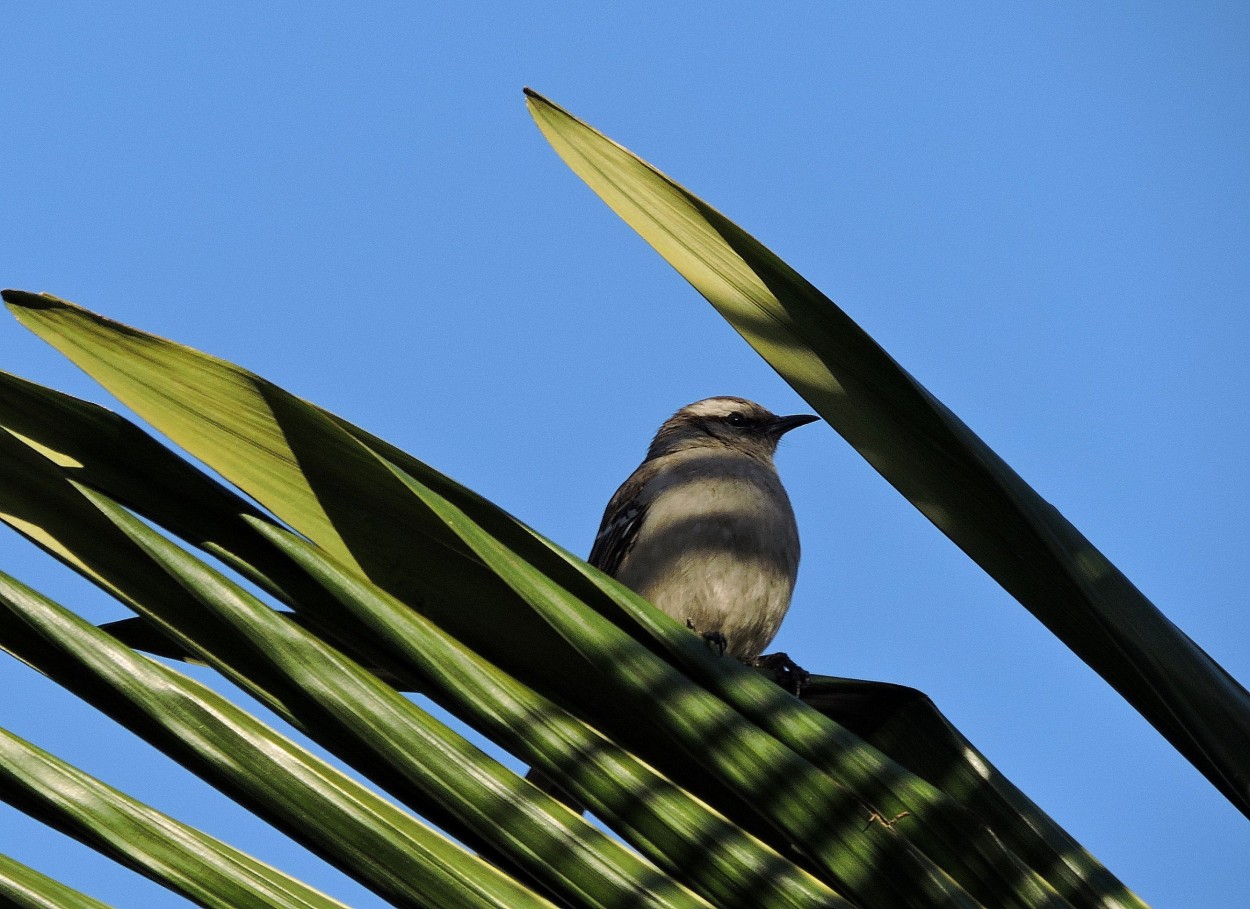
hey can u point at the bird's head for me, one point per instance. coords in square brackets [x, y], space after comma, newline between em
[725, 422]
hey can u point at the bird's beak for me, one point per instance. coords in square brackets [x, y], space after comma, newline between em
[783, 425]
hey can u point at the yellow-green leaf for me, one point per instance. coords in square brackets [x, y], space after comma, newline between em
[930, 456]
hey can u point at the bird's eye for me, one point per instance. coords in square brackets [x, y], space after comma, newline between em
[736, 419]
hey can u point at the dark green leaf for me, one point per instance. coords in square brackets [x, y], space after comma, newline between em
[930, 456]
[187, 861]
[348, 825]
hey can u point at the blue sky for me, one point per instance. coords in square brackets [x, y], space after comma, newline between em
[1041, 211]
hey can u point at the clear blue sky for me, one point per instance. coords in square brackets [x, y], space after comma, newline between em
[1042, 211]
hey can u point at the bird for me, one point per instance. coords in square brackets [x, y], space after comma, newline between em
[703, 528]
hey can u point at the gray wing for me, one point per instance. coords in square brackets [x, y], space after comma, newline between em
[622, 520]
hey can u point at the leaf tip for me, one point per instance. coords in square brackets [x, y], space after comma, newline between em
[533, 100]
[540, 103]
[24, 299]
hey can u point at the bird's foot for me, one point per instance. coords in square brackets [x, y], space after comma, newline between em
[785, 672]
[717, 640]
[711, 638]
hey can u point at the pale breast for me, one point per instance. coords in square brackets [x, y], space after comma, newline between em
[719, 548]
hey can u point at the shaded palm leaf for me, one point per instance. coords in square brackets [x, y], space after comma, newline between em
[792, 796]
[930, 456]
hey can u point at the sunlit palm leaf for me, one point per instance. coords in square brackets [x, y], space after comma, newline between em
[190, 862]
[930, 456]
[364, 835]
[25, 888]
[768, 765]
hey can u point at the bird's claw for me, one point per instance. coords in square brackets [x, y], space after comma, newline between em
[713, 638]
[717, 640]
[785, 672]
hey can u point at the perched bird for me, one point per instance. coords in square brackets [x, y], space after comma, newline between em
[703, 528]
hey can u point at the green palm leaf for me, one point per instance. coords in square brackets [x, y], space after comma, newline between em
[930, 456]
[798, 807]
[366, 836]
[25, 888]
[180, 857]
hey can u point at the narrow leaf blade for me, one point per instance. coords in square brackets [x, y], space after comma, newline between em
[181, 858]
[930, 456]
